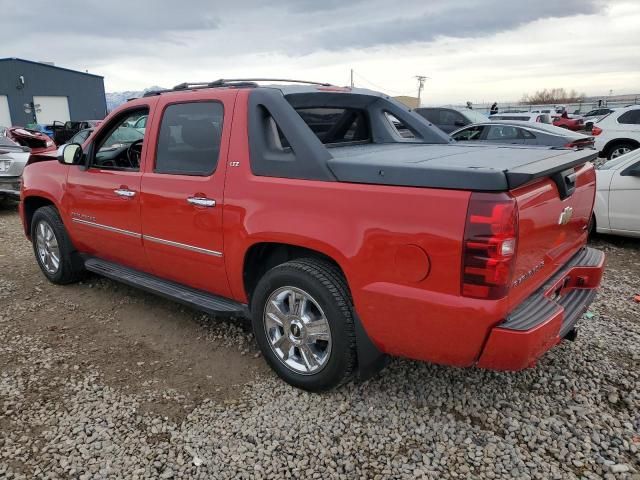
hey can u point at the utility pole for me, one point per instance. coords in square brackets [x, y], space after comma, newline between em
[421, 79]
[352, 78]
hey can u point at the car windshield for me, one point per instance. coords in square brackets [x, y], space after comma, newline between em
[474, 116]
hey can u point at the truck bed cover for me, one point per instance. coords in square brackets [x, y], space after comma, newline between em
[454, 166]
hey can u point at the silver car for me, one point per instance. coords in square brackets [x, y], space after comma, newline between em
[522, 133]
[13, 158]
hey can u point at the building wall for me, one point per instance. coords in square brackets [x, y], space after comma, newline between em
[85, 92]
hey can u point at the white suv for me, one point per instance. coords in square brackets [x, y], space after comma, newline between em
[618, 132]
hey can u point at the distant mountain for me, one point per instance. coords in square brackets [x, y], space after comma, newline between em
[115, 99]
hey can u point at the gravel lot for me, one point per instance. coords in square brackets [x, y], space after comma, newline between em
[98, 380]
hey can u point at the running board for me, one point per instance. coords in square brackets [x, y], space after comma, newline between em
[197, 299]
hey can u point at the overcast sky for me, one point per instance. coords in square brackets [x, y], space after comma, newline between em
[478, 50]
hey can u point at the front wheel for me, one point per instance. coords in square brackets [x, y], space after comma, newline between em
[53, 248]
[303, 322]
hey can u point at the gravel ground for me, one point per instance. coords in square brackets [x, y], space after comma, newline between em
[98, 380]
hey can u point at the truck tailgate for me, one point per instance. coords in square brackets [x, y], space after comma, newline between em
[553, 222]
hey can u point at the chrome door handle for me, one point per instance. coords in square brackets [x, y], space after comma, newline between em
[202, 201]
[123, 192]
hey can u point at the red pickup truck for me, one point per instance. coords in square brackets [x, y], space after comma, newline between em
[345, 225]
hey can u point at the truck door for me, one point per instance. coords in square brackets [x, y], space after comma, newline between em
[183, 186]
[103, 197]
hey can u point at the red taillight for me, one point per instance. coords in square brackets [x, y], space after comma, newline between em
[490, 236]
[580, 144]
[596, 130]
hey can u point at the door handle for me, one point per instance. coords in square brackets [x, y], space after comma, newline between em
[124, 192]
[202, 201]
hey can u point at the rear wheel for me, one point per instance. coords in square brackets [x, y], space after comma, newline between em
[52, 247]
[619, 149]
[303, 323]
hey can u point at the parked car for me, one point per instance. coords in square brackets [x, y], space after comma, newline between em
[618, 196]
[592, 116]
[618, 132]
[570, 123]
[523, 117]
[13, 158]
[450, 119]
[523, 133]
[288, 204]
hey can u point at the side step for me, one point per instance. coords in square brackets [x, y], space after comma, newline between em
[197, 299]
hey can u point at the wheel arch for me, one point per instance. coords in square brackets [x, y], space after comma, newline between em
[262, 256]
[612, 143]
[29, 206]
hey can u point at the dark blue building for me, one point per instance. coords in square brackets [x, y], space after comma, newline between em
[34, 92]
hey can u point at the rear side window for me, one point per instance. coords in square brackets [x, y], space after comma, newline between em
[336, 125]
[450, 117]
[503, 132]
[431, 114]
[630, 117]
[189, 138]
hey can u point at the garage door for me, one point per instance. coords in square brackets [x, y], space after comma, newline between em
[5, 115]
[51, 109]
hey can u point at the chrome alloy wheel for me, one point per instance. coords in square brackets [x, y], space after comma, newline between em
[297, 330]
[47, 247]
[619, 151]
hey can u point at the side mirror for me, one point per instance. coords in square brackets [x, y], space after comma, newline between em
[459, 123]
[70, 154]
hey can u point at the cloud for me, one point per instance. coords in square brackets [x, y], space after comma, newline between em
[470, 48]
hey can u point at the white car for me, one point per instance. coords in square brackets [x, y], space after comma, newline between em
[618, 196]
[592, 116]
[523, 117]
[618, 133]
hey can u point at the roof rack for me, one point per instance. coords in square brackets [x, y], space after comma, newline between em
[229, 82]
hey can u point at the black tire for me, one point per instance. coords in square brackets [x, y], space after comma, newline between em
[70, 267]
[591, 227]
[326, 284]
[619, 145]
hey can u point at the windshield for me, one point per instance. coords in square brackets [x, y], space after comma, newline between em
[475, 117]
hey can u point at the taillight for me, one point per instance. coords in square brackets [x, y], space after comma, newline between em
[582, 143]
[596, 130]
[489, 249]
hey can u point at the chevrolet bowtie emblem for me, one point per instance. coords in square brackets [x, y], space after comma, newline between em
[565, 216]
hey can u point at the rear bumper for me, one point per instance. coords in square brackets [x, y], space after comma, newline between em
[546, 317]
[10, 187]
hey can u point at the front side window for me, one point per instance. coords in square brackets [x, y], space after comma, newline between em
[81, 136]
[189, 138]
[471, 133]
[119, 146]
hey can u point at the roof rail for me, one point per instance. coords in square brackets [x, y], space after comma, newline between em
[229, 82]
